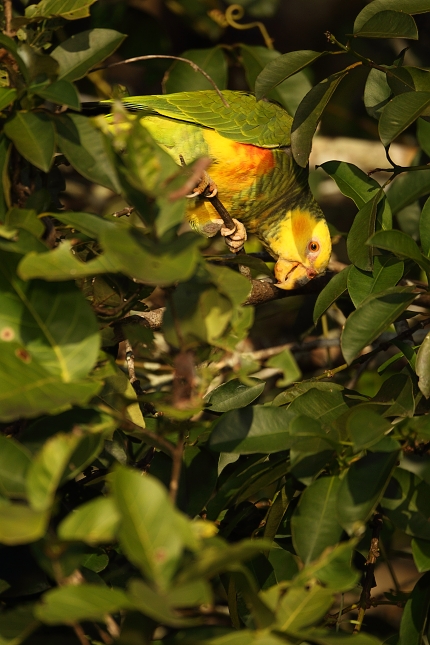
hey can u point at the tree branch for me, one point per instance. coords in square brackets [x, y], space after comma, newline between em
[365, 601]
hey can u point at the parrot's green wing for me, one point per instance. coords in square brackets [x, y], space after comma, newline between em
[246, 120]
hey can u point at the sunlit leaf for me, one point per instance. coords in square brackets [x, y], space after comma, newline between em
[34, 137]
[282, 68]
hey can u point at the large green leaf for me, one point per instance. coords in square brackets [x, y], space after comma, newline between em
[233, 394]
[362, 229]
[7, 96]
[62, 92]
[352, 181]
[54, 322]
[388, 24]
[72, 604]
[314, 523]
[421, 553]
[20, 524]
[302, 607]
[400, 112]
[309, 114]
[407, 6]
[93, 522]
[17, 624]
[281, 68]
[14, 463]
[415, 614]
[365, 426]
[182, 77]
[152, 532]
[68, 9]
[408, 188]
[28, 389]
[290, 92]
[84, 147]
[362, 487]
[77, 55]
[406, 503]
[423, 366]
[372, 317]
[331, 292]
[401, 245]
[33, 134]
[253, 429]
[387, 271]
[425, 228]
[377, 93]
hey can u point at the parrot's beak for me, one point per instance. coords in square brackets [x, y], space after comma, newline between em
[292, 275]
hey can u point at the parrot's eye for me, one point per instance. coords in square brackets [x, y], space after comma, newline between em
[313, 247]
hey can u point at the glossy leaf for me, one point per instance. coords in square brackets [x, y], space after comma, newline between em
[71, 10]
[421, 554]
[377, 93]
[425, 228]
[414, 616]
[388, 24]
[14, 463]
[7, 96]
[233, 394]
[309, 114]
[152, 533]
[423, 366]
[407, 6]
[362, 487]
[33, 135]
[352, 181]
[314, 523]
[362, 229]
[94, 522]
[371, 318]
[290, 92]
[282, 68]
[182, 77]
[401, 245]
[387, 271]
[400, 112]
[408, 188]
[302, 607]
[406, 502]
[365, 426]
[76, 603]
[253, 429]
[62, 92]
[331, 292]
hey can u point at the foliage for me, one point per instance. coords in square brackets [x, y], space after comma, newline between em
[134, 513]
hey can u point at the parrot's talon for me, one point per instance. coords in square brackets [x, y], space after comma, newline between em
[206, 187]
[235, 238]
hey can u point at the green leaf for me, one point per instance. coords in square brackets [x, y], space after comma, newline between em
[362, 229]
[422, 367]
[182, 77]
[68, 9]
[77, 55]
[160, 607]
[388, 24]
[281, 68]
[301, 607]
[423, 134]
[14, 463]
[421, 553]
[365, 426]
[301, 388]
[49, 467]
[408, 188]
[401, 245]
[17, 624]
[414, 616]
[308, 115]
[285, 362]
[333, 569]
[314, 524]
[33, 135]
[233, 394]
[361, 489]
[290, 92]
[400, 112]
[7, 96]
[406, 6]
[62, 92]
[425, 228]
[377, 93]
[328, 637]
[54, 322]
[20, 524]
[324, 405]
[152, 532]
[93, 522]
[406, 503]
[387, 271]
[352, 181]
[72, 604]
[253, 429]
[372, 317]
[331, 292]
[84, 147]
[28, 389]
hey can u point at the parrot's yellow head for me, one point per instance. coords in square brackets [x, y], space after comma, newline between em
[303, 246]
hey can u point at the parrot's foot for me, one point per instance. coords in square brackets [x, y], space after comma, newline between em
[205, 184]
[234, 238]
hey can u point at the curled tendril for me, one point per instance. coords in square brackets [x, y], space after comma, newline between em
[234, 13]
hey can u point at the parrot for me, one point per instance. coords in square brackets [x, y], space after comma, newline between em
[252, 171]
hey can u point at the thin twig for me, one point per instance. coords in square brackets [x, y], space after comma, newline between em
[80, 634]
[125, 211]
[176, 467]
[364, 602]
[8, 15]
[129, 357]
[195, 67]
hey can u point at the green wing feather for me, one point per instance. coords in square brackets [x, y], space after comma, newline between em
[246, 120]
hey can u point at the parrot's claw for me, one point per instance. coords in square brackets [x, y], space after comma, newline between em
[234, 238]
[206, 183]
